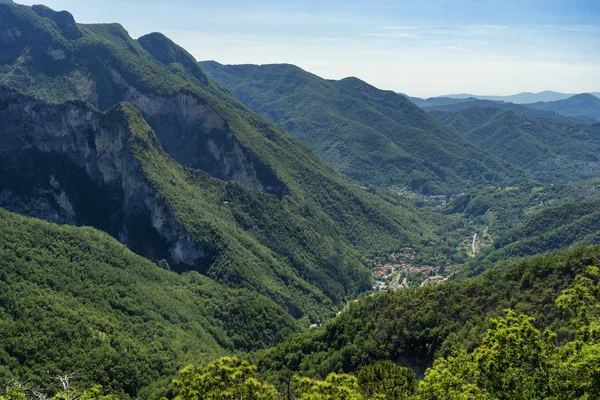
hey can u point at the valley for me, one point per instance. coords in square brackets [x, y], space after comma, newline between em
[180, 230]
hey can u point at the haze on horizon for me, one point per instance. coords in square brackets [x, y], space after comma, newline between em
[420, 47]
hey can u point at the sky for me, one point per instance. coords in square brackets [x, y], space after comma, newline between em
[419, 47]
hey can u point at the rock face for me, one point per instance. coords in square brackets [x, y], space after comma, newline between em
[196, 136]
[71, 164]
[191, 130]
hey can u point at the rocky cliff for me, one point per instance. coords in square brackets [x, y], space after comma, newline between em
[70, 163]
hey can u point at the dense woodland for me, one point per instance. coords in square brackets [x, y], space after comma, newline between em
[159, 240]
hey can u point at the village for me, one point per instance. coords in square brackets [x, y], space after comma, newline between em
[403, 274]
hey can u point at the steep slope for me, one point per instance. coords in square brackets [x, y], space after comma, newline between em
[581, 105]
[550, 150]
[413, 327]
[370, 135]
[76, 300]
[193, 176]
[572, 223]
[500, 209]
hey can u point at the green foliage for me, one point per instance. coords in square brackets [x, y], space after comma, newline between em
[334, 387]
[74, 299]
[517, 361]
[581, 105]
[298, 234]
[223, 379]
[387, 379]
[370, 135]
[562, 226]
[548, 150]
[16, 391]
[420, 325]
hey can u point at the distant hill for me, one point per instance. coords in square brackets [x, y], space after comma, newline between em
[370, 135]
[437, 101]
[581, 105]
[551, 150]
[519, 109]
[520, 98]
[574, 223]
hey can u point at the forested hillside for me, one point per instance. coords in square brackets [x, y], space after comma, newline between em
[75, 300]
[519, 109]
[184, 171]
[414, 327]
[371, 135]
[581, 105]
[163, 237]
[550, 150]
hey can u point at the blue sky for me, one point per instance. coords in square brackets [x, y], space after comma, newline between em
[420, 47]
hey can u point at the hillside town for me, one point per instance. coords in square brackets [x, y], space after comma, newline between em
[403, 274]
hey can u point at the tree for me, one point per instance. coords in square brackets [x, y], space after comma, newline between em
[14, 391]
[514, 361]
[17, 391]
[582, 303]
[334, 387]
[224, 379]
[452, 378]
[388, 379]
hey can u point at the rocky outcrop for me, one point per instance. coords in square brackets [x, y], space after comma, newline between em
[69, 163]
[197, 136]
[191, 130]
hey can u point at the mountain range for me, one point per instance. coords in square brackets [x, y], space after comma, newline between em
[520, 98]
[157, 212]
[370, 135]
[581, 105]
[551, 150]
[133, 138]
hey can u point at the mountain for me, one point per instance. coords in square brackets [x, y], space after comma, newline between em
[520, 98]
[370, 135]
[572, 223]
[437, 101]
[518, 109]
[550, 150]
[133, 138]
[75, 299]
[581, 105]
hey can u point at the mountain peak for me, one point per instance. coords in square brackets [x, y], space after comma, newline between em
[63, 20]
[167, 52]
[586, 97]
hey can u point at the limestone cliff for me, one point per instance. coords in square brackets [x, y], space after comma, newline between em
[70, 163]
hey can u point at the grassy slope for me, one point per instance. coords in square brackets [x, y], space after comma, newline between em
[74, 299]
[549, 149]
[368, 134]
[317, 233]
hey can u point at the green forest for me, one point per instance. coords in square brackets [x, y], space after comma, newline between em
[181, 230]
